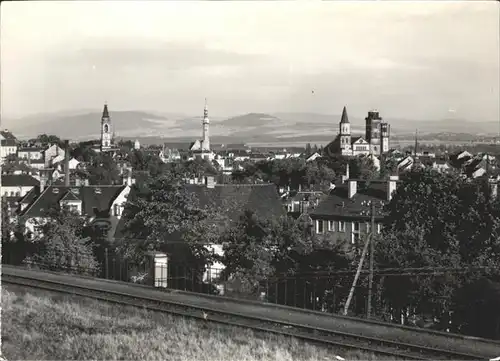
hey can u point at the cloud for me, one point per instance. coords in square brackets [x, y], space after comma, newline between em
[143, 53]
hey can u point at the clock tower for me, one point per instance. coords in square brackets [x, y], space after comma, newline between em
[106, 132]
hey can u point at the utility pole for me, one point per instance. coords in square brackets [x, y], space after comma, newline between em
[360, 266]
[372, 252]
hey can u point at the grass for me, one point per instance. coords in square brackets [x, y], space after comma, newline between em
[38, 325]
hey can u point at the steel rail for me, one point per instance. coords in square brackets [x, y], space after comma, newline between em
[399, 350]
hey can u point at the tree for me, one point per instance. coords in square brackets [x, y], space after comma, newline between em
[48, 139]
[103, 170]
[165, 216]
[83, 152]
[277, 256]
[362, 167]
[438, 220]
[318, 174]
[388, 167]
[62, 245]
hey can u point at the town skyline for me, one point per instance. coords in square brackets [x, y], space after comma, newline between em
[430, 60]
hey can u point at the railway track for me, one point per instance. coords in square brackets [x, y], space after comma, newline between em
[339, 339]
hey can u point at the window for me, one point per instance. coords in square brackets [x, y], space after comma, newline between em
[368, 227]
[18, 194]
[355, 237]
[116, 210]
[331, 226]
[379, 228]
[355, 226]
[319, 226]
[12, 194]
[73, 208]
[341, 226]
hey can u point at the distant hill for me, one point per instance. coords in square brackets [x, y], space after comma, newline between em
[246, 128]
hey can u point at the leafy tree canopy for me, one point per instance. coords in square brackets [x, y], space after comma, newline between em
[438, 220]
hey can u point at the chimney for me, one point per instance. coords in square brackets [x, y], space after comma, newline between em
[66, 163]
[43, 183]
[493, 189]
[129, 179]
[345, 177]
[391, 186]
[210, 182]
[352, 188]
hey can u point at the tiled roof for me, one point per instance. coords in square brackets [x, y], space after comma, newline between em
[355, 139]
[31, 149]
[8, 135]
[338, 203]
[30, 196]
[19, 180]
[262, 199]
[333, 147]
[94, 198]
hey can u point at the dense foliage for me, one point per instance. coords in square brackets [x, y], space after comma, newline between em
[439, 221]
[62, 244]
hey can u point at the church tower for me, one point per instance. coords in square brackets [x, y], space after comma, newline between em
[106, 132]
[205, 142]
[372, 134]
[345, 131]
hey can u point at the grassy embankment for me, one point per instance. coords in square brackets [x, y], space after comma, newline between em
[38, 325]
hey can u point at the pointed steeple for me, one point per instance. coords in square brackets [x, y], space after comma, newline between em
[205, 110]
[344, 118]
[105, 113]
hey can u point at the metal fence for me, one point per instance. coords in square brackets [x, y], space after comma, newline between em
[326, 291]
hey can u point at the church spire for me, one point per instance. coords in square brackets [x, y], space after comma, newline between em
[344, 118]
[105, 112]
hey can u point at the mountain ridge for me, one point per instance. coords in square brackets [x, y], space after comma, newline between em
[84, 124]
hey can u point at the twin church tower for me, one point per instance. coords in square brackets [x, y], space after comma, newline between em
[375, 142]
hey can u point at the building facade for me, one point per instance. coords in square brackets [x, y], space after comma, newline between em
[375, 141]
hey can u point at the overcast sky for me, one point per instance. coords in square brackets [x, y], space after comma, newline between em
[416, 60]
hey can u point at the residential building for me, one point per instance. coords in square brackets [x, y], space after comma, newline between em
[30, 154]
[103, 205]
[8, 143]
[53, 153]
[17, 185]
[345, 213]
[441, 165]
[313, 157]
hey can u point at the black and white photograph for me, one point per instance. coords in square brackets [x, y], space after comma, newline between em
[260, 180]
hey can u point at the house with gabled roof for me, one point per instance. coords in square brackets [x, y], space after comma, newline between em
[103, 205]
[17, 185]
[345, 213]
[8, 143]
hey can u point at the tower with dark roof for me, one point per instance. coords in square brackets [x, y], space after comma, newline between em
[345, 131]
[106, 131]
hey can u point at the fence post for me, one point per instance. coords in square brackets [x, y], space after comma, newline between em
[106, 268]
